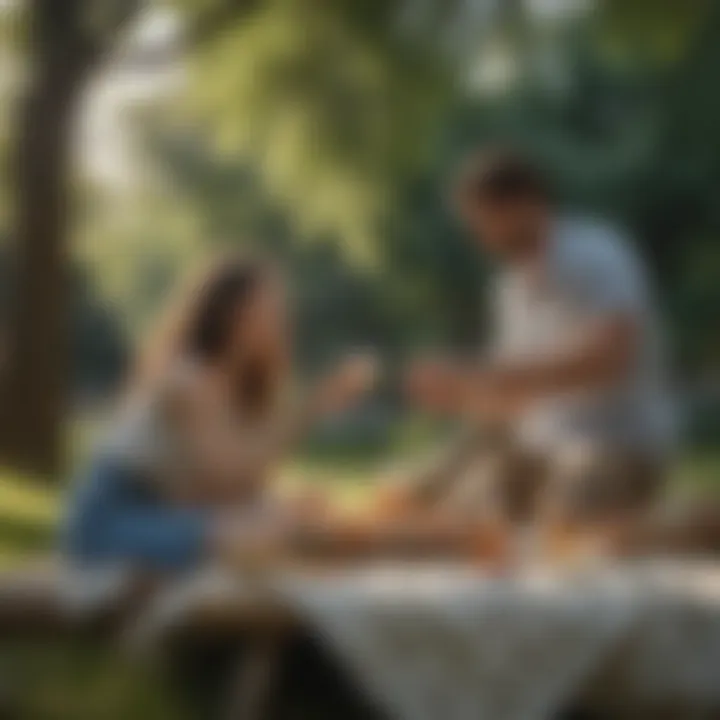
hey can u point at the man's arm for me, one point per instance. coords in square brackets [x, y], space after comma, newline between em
[502, 389]
[606, 285]
[601, 358]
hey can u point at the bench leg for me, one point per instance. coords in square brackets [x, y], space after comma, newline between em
[251, 682]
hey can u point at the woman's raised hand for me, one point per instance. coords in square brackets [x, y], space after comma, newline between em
[346, 385]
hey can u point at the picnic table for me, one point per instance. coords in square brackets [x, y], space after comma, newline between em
[443, 641]
[448, 641]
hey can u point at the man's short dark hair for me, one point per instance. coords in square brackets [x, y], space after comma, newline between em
[501, 175]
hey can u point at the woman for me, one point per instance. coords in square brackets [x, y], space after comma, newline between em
[184, 473]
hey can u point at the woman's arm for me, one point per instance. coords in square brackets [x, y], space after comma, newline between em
[226, 456]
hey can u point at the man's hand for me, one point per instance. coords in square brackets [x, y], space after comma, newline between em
[435, 384]
[453, 388]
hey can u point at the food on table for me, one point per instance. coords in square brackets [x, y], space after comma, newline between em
[394, 500]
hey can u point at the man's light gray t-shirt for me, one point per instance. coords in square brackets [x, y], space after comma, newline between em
[588, 273]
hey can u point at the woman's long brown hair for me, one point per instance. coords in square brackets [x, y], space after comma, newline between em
[199, 326]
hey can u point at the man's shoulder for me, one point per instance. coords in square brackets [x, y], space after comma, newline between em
[586, 243]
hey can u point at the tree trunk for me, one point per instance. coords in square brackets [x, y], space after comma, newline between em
[35, 378]
[68, 40]
[37, 373]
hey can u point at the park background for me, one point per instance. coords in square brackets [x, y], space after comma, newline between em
[138, 137]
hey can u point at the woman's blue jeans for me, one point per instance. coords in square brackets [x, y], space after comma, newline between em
[115, 516]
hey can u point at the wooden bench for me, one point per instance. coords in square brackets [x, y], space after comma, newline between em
[34, 605]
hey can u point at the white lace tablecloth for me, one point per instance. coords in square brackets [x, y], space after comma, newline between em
[446, 643]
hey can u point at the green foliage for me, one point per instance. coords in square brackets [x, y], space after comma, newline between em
[650, 31]
[332, 103]
[337, 122]
[304, 136]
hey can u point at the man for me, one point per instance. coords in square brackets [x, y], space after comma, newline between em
[573, 376]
